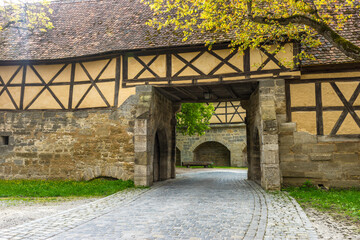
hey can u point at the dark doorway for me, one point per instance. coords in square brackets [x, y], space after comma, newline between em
[160, 161]
[156, 162]
[255, 158]
[214, 152]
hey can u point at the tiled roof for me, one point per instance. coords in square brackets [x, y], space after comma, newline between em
[91, 27]
[328, 54]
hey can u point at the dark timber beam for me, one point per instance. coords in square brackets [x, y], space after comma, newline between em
[186, 92]
[231, 91]
[170, 95]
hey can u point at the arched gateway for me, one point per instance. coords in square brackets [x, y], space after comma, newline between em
[104, 104]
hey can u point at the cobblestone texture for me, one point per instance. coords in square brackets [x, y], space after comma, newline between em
[204, 205]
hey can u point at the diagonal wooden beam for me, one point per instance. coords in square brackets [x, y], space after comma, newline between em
[9, 94]
[224, 61]
[344, 113]
[271, 57]
[189, 64]
[93, 84]
[10, 80]
[347, 105]
[46, 86]
[236, 111]
[146, 68]
[215, 114]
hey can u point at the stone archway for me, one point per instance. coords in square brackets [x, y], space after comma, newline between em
[214, 152]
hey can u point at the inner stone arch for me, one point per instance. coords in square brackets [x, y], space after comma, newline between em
[160, 156]
[212, 151]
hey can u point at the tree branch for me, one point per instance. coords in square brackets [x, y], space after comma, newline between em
[348, 48]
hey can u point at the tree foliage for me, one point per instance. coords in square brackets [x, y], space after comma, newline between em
[253, 23]
[25, 15]
[194, 118]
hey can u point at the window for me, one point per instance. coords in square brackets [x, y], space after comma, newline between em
[4, 140]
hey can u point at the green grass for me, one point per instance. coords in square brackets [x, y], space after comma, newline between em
[61, 188]
[214, 167]
[340, 201]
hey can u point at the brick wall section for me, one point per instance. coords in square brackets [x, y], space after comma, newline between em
[232, 136]
[333, 162]
[78, 145]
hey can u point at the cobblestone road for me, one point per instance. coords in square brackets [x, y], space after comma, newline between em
[202, 205]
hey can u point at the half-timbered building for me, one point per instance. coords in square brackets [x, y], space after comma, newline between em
[97, 96]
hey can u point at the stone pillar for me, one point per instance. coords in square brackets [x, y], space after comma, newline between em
[142, 167]
[269, 142]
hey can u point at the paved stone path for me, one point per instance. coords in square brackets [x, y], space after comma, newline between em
[202, 205]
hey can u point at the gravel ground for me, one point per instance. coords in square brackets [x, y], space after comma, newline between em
[18, 212]
[328, 227]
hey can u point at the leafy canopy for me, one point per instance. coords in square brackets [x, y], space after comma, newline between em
[194, 118]
[253, 23]
[25, 15]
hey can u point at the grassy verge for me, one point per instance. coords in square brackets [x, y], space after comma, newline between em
[345, 202]
[214, 167]
[60, 188]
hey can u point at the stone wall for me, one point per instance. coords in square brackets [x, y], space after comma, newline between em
[232, 136]
[331, 161]
[78, 145]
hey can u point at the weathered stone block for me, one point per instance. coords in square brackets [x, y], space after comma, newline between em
[304, 137]
[266, 83]
[286, 140]
[292, 174]
[140, 143]
[270, 139]
[268, 112]
[320, 156]
[270, 179]
[287, 157]
[19, 162]
[46, 156]
[270, 157]
[270, 127]
[140, 127]
[346, 157]
[270, 147]
[300, 166]
[26, 154]
[288, 127]
[301, 157]
[81, 114]
[141, 158]
[348, 146]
